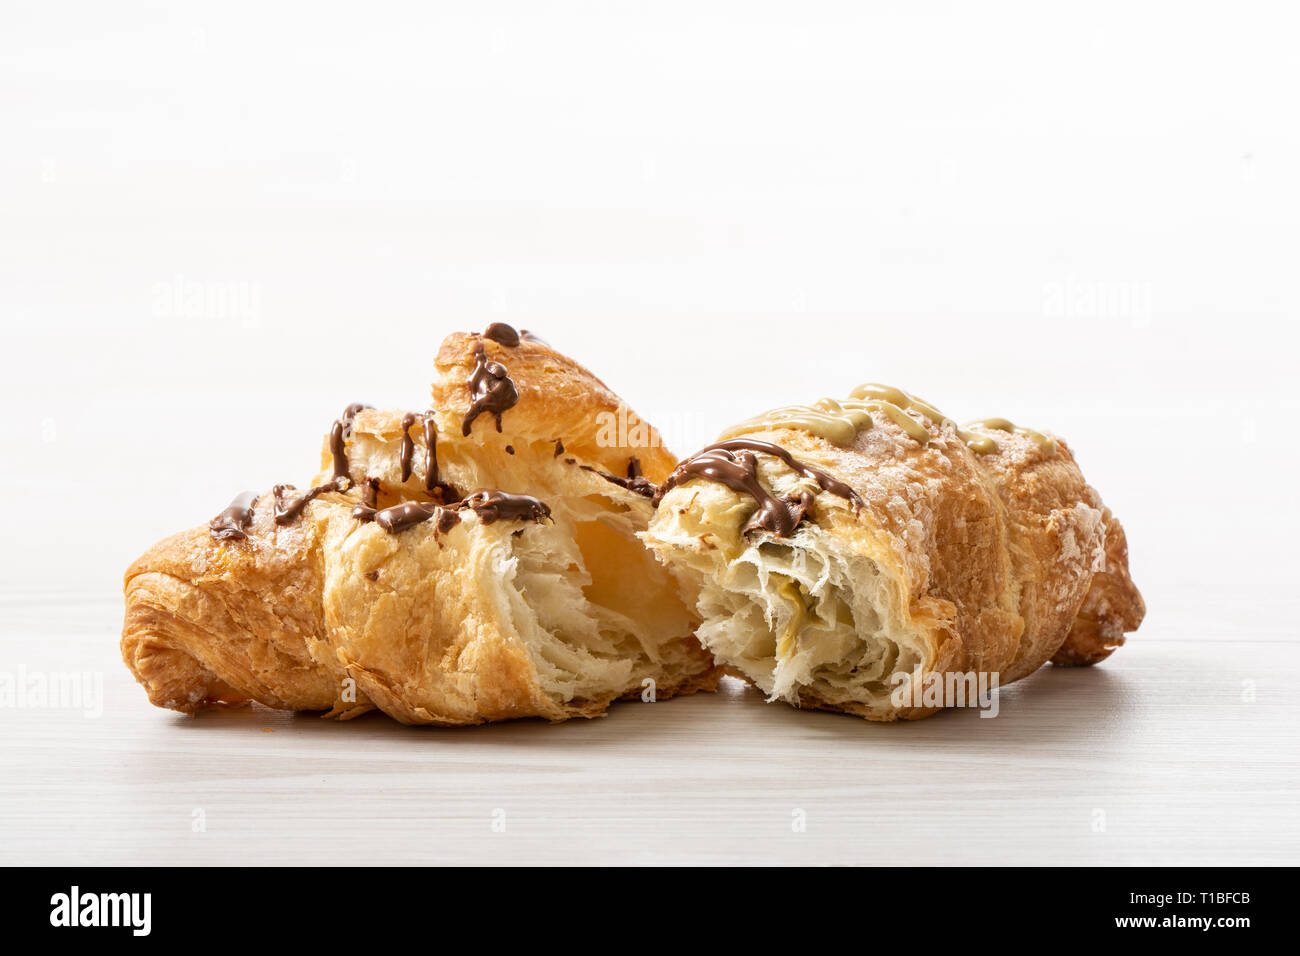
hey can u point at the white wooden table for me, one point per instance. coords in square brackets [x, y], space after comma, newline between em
[1181, 749]
[200, 265]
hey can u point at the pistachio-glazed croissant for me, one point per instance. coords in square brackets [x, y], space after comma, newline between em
[870, 556]
[403, 579]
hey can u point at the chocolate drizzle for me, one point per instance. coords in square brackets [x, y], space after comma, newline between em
[433, 482]
[506, 335]
[410, 513]
[287, 510]
[492, 505]
[232, 524]
[365, 511]
[408, 446]
[490, 389]
[340, 435]
[494, 393]
[734, 464]
[431, 454]
[502, 334]
[370, 492]
[634, 482]
[338, 448]
[489, 504]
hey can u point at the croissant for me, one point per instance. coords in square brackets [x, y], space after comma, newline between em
[870, 556]
[403, 579]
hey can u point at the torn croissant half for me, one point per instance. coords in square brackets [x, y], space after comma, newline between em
[856, 555]
[403, 579]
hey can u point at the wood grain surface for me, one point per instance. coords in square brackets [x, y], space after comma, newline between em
[213, 238]
[1181, 749]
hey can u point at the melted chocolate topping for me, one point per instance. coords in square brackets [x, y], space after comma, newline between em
[410, 513]
[489, 504]
[447, 520]
[370, 492]
[365, 511]
[430, 453]
[492, 505]
[634, 482]
[288, 510]
[408, 446]
[734, 464]
[232, 524]
[502, 334]
[340, 433]
[432, 481]
[338, 448]
[490, 390]
[432, 484]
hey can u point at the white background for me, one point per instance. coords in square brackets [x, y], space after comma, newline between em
[1083, 219]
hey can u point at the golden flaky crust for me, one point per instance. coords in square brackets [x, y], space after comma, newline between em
[992, 563]
[1112, 607]
[558, 398]
[454, 625]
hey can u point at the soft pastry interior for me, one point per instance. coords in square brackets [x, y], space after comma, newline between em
[842, 551]
[596, 613]
[403, 578]
[791, 615]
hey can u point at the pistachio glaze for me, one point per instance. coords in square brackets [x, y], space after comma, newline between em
[840, 422]
[826, 417]
[1045, 442]
[733, 463]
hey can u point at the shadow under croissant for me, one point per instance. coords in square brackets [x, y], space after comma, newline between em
[1038, 712]
[623, 721]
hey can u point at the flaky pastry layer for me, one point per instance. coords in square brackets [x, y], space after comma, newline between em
[464, 616]
[949, 562]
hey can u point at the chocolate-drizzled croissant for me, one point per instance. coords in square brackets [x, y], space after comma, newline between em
[853, 556]
[403, 579]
